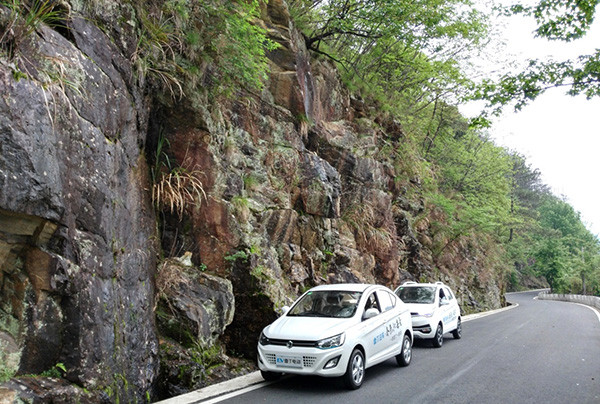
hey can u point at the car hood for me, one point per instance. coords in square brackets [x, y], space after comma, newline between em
[420, 308]
[307, 328]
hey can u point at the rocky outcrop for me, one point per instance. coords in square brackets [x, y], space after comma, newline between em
[194, 308]
[301, 190]
[76, 240]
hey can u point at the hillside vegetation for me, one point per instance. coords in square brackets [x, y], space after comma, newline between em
[405, 59]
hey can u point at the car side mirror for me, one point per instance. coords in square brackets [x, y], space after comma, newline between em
[284, 310]
[370, 313]
[444, 302]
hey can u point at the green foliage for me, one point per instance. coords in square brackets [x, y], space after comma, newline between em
[156, 54]
[559, 19]
[57, 371]
[238, 255]
[564, 20]
[403, 54]
[482, 189]
[207, 357]
[251, 182]
[184, 44]
[8, 366]
[557, 246]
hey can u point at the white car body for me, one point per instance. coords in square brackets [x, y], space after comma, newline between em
[434, 310]
[306, 341]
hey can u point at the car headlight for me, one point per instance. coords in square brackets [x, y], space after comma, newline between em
[332, 342]
[263, 340]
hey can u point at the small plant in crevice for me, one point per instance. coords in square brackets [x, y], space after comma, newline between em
[175, 188]
[8, 363]
[241, 208]
[57, 371]
[209, 356]
[251, 182]
[241, 255]
[19, 19]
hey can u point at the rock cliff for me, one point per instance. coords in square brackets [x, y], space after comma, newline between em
[298, 189]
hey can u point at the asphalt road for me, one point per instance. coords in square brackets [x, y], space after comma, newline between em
[539, 352]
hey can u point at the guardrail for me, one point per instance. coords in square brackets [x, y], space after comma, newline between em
[593, 301]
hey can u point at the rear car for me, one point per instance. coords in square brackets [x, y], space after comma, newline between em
[337, 330]
[434, 310]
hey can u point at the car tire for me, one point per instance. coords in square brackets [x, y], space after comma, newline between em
[457, 333]
[270, 376]
[438, 339]
[404, 357]
[355, 372]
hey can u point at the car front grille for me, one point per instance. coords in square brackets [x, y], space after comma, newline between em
[270, 358]
[285, 342]
[307, 361]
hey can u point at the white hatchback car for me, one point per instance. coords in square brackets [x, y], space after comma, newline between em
[434, 310]
[337, 330]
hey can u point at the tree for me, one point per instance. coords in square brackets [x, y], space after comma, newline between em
[404, 50]
[565, 250]
[563, 20]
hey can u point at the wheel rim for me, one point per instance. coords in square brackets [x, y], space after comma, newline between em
[407, 351]
[358, 370]
[439, 334]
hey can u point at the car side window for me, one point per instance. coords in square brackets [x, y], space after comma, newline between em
[386, 300]
[443, 296]
[394, 298]
[449, 294]
[372, 303]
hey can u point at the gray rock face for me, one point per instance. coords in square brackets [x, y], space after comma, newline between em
[194, 307]
[76, 249]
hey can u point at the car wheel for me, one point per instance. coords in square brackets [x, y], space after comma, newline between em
[404, 357]
[438, 340]
[355, 373]
[458, 332]
[270, 376]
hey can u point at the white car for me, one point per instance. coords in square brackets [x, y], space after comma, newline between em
[337, 330]
[434, 310]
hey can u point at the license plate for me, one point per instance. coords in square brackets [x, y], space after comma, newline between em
[289, 361]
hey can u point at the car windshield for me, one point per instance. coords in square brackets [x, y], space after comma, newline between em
[416, 294]
[326, 303]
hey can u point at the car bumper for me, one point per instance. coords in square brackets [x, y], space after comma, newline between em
[302, 361]
[423, 328]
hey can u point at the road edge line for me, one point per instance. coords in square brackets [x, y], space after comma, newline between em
[241, 384]
[475, 316]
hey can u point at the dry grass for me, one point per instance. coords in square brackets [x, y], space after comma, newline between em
[177, 189]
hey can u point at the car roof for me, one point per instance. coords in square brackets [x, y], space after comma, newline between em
[352, 287]
[432, 284]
